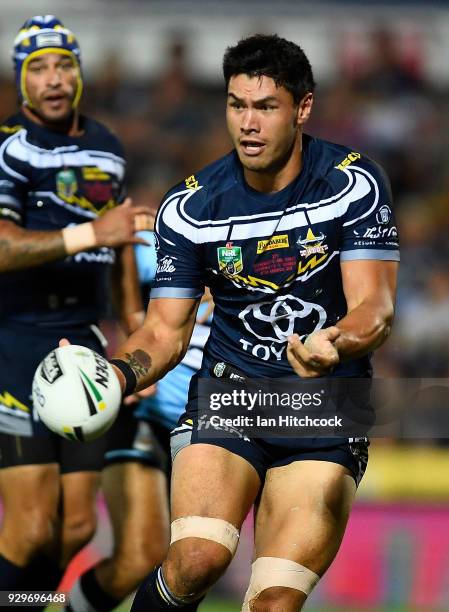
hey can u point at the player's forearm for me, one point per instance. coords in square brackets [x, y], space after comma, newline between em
[126, 294]
[364, 329]
[26, 249]
[21, 248]
[149, 356]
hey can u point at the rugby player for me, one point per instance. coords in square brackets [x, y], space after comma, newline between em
[295, 236]
[61, 180]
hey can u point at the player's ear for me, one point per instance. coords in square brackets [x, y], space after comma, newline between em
[304, 108]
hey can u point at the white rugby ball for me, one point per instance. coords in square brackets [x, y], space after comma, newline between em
[76, 393]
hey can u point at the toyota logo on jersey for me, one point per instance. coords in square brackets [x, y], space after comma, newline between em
[275, 321]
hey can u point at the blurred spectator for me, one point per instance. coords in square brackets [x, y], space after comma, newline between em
[390, 69]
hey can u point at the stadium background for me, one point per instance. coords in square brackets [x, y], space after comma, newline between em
[152, 71]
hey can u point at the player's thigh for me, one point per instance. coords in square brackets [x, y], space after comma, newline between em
[211, 481]
[137, 500]
[30, 497]
[79, 493]
[80, 465]
[134, 482]
[212, 490]
[303, 512]
[214, 484]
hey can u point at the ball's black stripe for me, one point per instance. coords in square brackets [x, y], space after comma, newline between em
[92, 408]
[78, 431]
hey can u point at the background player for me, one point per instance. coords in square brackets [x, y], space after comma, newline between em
[135, 478]
[61, 179]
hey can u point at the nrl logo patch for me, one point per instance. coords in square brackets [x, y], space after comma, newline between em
[230, 259]
[66, 184]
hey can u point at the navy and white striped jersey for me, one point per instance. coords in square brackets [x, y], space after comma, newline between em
[272, 261]
[49, 181]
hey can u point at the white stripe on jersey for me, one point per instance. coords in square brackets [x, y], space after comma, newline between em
[75, 209]
[4, 166]
[10, 201]
[376, 198]
[19, 148]
[360, 184]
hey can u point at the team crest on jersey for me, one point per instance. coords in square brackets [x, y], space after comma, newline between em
[230, 259]
[312, 245]
[87, 187]
[66, 183]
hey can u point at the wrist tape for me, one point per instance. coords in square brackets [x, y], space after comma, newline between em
[128, 373]
[79, 238]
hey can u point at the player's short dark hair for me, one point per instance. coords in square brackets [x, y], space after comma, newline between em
[271, 56]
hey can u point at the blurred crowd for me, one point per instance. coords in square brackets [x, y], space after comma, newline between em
[381, 103]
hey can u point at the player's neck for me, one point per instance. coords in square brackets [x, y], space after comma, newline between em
[276, 179]
[69, 127]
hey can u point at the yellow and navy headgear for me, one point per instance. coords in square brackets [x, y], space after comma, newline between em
[44, 34]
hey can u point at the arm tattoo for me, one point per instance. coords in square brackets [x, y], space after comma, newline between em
[29, 249]
[140, 362]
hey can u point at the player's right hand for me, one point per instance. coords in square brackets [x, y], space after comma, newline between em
[317, 356]
[117, 226]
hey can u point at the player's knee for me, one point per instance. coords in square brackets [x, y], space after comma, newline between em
[277, 585]
[118, 577]
[277, 599]
[129, 566]
[78, 531]
[38, 532]
[193, 565]
[143, 560]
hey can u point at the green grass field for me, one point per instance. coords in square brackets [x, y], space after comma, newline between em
[216, 605]
[213, 604]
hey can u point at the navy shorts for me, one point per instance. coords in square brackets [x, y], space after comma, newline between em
[24, 439]
[264, 454]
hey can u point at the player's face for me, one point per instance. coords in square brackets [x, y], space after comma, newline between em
[264, 122]
[51, 84]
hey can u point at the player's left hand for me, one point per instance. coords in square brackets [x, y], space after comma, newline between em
[317, 356]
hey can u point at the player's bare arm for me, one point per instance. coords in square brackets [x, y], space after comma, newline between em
[127, 299]
[157, 346]
[23, 248]
[370, 289]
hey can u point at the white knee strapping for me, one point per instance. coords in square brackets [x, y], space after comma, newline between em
[276, 572]
[214, 529]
